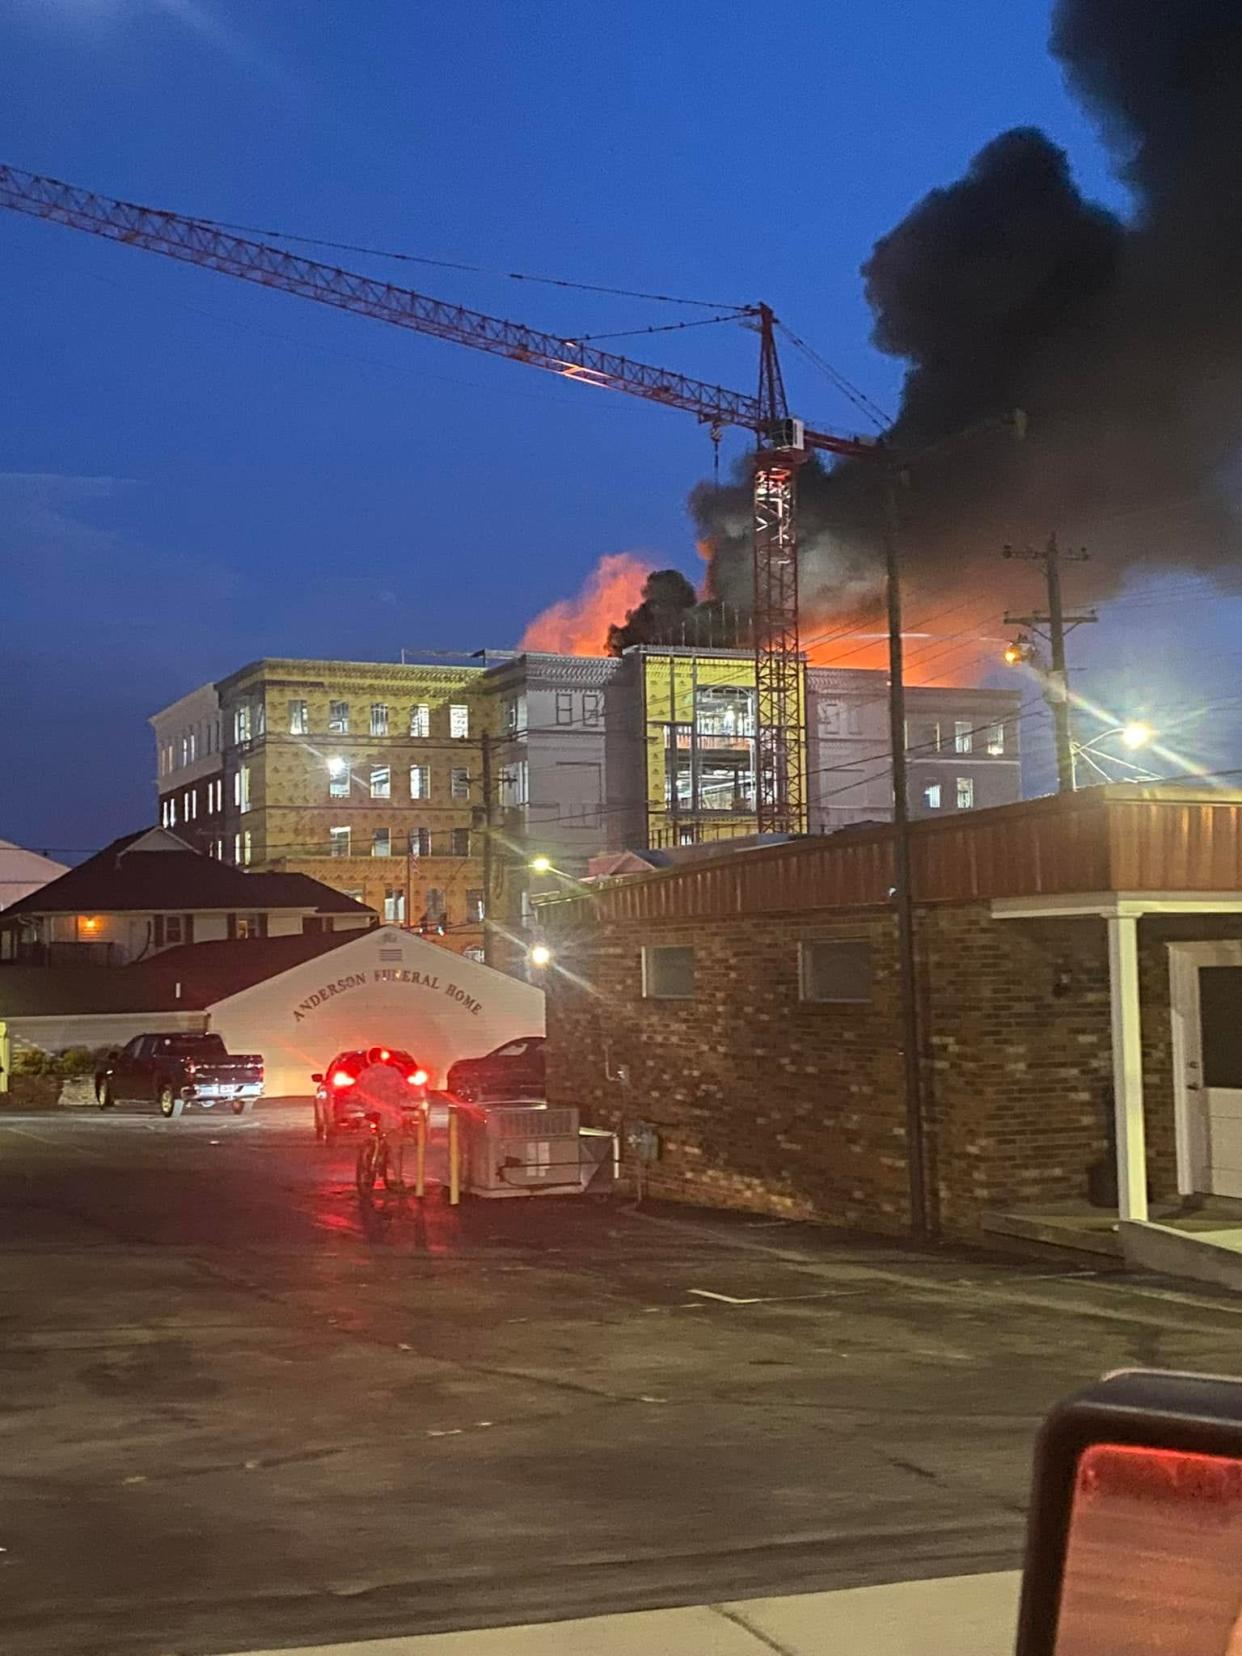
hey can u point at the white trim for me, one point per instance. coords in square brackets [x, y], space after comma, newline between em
[1189, 1094]
[1116, 904]
[1123, 988]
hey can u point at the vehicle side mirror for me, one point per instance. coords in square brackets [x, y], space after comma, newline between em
[113, 1056]
[317, 1077]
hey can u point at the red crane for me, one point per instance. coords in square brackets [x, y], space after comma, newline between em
[782, 443]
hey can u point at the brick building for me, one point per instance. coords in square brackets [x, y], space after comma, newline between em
[1079, 965]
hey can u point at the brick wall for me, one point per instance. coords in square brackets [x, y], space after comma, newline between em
[772, 1104]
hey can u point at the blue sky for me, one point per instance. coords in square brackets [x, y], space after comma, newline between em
[194, 473]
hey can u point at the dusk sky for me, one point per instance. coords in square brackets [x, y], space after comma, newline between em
[195, 473]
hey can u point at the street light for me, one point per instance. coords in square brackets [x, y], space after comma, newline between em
[1136, 734]
[539, 955]
[1133, 735]
[541, 865]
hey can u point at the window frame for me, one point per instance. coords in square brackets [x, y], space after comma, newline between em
[650, 991]
[459, 715]
[806, 971]
[381, 782]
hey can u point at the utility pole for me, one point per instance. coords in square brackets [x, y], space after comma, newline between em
[486, 768]
[1056, 680]
[903, 897]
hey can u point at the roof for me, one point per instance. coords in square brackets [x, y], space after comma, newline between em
[1164, 838]
[187, 979]
[153, 871]
[23, 872]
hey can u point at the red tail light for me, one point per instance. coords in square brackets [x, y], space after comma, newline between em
[385, 1055]
[418, 1079]
[342, 1078]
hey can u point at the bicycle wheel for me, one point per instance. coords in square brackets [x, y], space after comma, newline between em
[366, 1167]
[391, 1167]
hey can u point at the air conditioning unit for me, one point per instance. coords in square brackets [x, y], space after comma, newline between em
[520, 1150]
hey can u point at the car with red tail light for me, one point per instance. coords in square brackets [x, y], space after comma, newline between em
[338, 1107]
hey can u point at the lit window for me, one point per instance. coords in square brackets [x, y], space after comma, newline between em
[192, 746]
[338, 782]
[299, 719]
[963, 736]
[513, 782]
[394, 905]
[420, 781]
[237, 850]
[260, 718]
[420, 842]
[592, 703]
[172, 813]
[511, 713]
[246, 848]
[460, 785]
[174, 928]
[185, 753]
[965, 793]
[835, 971]
[338, 718]
[379, 718]
[996, 740]
[668, 973]
[420, 719]
[474, 906]
[381, 782]
[564, 707]
[338, 841]
[381, 843]
[241, 787]
[241, 723]
[460, 842]
[459, 720]
[164, 814]
[931, 796]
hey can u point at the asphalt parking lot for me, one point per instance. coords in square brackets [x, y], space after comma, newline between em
[238, 1411]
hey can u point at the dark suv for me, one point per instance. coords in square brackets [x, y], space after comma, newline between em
[514, 1070]
[336, 1108]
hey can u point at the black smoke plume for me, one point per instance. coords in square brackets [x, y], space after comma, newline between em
[1121, 340]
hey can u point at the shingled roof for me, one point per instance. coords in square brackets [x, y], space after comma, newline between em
[154, 872]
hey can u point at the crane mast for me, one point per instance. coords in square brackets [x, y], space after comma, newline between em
[782, 444]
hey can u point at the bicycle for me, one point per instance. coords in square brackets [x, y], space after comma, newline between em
[380, 1161]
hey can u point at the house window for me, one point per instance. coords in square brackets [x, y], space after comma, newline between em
[475, 906]
[241, 723]
[394, 905]
[381, 843]
[420, 781]
[381, 782]
[379, 718]
[247, 925]
[931, 796]
[460, 842]
[835, 971]
[592, 705]
[420, 842]
[299, 719]
[338, 781]
[564, 707]
[459, 720]
[963, 736]
[338, 718]
[511, 713]
[668, 972]
[996, 740]
[174, 927]
[420, 719]
[965, 793]
[241, 787]
[338, 842]
[460, 786]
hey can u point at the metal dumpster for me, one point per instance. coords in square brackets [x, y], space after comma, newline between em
[525, 1149]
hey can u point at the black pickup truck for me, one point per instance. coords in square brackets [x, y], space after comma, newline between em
[172, 1071]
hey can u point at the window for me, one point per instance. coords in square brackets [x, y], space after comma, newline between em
[514, 784]
[592, 706]
[338, 781]
[965, 793]
[394, 905]
[459, 720]
[174, 927]
[512, 708]
[668, 973]
[338, 718]
[241, 723]
[835, 971]
[420, 719]
[245, 848]
[219, 850]
[191, 743]
[725, 710]
[931, 796]
[460, 787]
[564, 707]
[474, 906]
[241, 787]
[420, 781]
[420, 842]
[381, 843]
[381, 782]
[237, 850]
[436, 909]
[379, 718]
[459, 842]
[260, 718]
[247, 925]
[172, 812]
[338, 842]
[299, 719]
[996, 740]
[164, 822]
[963, 736]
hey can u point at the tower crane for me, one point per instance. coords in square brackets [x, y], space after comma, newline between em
[782, 443]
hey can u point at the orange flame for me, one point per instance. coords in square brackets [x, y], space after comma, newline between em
[579, 625]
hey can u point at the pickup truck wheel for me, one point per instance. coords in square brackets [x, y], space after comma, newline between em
[167, 1101]
[103, 1096]
[239, 1106]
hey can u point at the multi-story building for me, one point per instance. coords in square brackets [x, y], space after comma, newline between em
[189, 765]
[372, 777]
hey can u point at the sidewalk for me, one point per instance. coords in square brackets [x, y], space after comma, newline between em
[953, 1616]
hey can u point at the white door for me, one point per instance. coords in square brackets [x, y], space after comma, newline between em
[1207, 1008]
